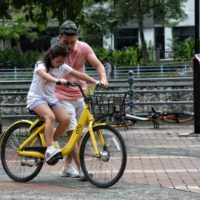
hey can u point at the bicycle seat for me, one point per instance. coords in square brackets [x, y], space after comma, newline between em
[32, 112]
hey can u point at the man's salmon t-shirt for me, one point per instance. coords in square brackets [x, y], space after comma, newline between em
[76, 59]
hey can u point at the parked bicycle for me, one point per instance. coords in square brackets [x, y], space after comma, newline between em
[167, 117]
[102, 153]
[112, 109]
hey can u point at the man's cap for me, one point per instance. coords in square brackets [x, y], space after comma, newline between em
[68, 28]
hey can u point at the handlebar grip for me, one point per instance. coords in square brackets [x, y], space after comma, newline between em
[69, 83]
[58, 82]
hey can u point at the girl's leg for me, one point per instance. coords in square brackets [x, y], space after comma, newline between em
[63, 119]
[45, 111]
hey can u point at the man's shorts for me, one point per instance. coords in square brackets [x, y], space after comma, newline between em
[74, 108]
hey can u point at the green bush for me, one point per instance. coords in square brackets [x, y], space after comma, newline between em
[30, 57]
[102, 53]
[130, 56]
[10, 58]
[184, 51]
[126, 57]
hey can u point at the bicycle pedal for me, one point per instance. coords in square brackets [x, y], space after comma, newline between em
[55, 159]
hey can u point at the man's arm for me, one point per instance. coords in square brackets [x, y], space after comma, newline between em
[94, 61]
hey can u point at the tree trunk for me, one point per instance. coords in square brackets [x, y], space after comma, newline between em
[145, 57]
[18, 45]
[5, 44]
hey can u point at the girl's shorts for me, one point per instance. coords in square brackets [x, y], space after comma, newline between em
[38, 102]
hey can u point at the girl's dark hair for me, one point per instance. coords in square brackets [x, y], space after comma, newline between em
[55, 51]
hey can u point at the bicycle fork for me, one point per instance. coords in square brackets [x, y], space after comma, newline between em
[93, 139]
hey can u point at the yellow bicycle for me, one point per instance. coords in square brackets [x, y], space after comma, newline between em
[102, 151]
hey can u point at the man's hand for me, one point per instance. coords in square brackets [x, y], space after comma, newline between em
[104, 82]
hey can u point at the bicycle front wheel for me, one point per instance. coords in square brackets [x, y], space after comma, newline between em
[19, 168]
[106, 170]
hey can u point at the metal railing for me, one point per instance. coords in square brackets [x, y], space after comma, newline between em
[162, 70]
[183, 85]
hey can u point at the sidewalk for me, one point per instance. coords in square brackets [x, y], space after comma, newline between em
[162, 164]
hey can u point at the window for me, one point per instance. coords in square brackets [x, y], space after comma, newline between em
[126, 37]
[181, 33]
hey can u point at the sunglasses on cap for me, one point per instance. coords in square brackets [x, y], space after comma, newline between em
[69, 30]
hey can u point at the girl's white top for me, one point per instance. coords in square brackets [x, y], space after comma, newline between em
[43, 89]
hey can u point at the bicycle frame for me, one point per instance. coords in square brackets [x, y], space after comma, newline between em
[85, 119]
[102, 152]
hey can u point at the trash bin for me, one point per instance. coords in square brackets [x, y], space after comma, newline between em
[0, 125]
[196, 92]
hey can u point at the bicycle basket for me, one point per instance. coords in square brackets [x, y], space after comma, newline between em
[105, 105]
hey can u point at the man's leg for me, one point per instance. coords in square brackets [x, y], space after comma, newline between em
[74, 155]
[74, 108]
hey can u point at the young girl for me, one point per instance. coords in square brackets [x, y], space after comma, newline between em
[41, 97]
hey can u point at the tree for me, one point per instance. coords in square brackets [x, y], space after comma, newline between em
[17, 28]
[39, 11]
[99, 18]
[18, 17]
[166, 11]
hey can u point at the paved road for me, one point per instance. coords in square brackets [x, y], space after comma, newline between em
[163, 164]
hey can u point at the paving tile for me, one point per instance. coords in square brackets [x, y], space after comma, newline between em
[166, 158]
[176, 171]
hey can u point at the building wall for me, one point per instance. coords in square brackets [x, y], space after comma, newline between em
[189, 9]
[187, 22]
[149, 36]
[187, 25]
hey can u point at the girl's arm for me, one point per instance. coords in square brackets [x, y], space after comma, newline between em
[49, 77]
[83, 76]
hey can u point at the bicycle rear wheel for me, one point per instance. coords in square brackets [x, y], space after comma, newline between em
[19, 168]
[105, 171]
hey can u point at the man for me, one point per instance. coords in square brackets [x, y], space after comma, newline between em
[70, 97]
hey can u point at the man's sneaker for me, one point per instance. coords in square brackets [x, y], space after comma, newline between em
[51, 152]
[69, 171]
[81, 175]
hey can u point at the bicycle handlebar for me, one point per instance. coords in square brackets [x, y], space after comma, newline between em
[74, 84]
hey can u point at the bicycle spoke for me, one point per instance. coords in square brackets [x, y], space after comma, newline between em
[106, 170]
[17, 167]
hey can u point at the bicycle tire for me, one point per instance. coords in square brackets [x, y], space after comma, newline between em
[177, 118]
[19, 168]
[105, 171]
[124, 123]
